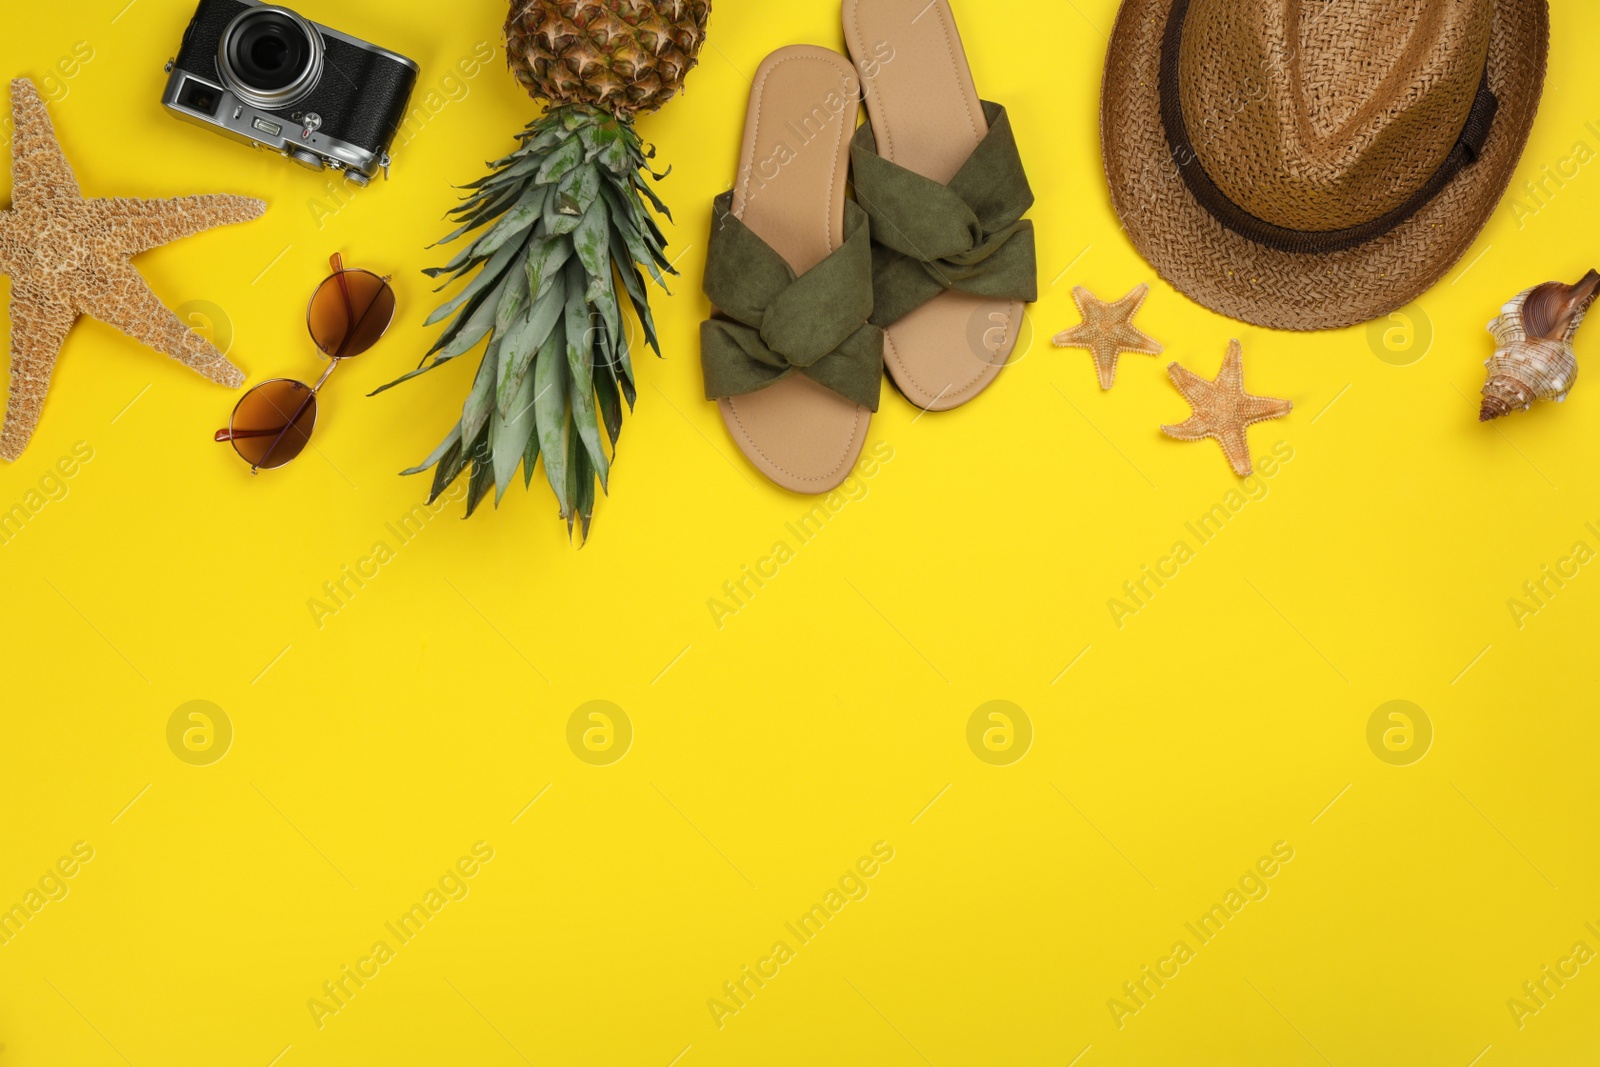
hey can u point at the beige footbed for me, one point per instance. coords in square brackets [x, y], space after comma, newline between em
[927, 117]
[790, 191]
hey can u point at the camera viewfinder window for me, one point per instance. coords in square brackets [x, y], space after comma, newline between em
[198, 96]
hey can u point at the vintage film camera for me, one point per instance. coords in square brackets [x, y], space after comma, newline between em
[269, 77]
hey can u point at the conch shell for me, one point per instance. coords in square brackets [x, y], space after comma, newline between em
[1534, 358]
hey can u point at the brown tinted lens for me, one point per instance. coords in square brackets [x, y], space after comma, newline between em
[349, 312]
[273, 422]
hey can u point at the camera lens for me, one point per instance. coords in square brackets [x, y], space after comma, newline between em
[269, 51]
[270, 57]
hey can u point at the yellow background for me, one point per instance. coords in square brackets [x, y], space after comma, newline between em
[831, 711]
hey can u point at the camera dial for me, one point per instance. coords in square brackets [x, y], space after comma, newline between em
[307, 159]
[270, 57]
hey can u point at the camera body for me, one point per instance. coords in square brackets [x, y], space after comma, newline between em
[268, 77]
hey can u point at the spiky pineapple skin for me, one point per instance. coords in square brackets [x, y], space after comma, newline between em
[628, 57]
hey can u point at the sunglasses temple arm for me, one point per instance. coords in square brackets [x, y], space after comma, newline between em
[349, 308]
[224, 436]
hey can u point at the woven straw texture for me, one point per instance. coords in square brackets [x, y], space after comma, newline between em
[68, 256]
[1331, 133]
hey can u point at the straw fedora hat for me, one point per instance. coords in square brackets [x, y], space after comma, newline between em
[1311, 164]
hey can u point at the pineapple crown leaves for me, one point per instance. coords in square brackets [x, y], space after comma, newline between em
[554, 226]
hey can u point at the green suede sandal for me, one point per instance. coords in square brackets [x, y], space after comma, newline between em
[939, 175]
[968, 235]
[789, 354]
[772, 324]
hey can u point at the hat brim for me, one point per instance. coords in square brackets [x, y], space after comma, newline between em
[1237, 277]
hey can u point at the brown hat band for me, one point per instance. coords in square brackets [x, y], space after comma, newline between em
[1311, 242]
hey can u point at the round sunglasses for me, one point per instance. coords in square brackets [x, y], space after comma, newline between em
[348, 313]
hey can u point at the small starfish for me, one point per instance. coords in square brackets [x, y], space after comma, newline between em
[67, 256]
[1107, 331]
[1222, 409]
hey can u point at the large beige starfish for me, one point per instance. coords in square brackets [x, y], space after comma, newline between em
[68, 256]
[1107, 331]
[1222, 409]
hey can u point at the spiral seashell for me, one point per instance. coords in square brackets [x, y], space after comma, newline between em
[1534, 358]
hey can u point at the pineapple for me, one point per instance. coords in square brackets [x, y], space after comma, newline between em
[555, 225]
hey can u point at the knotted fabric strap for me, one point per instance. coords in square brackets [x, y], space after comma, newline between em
[772, 324]
[969, 235]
